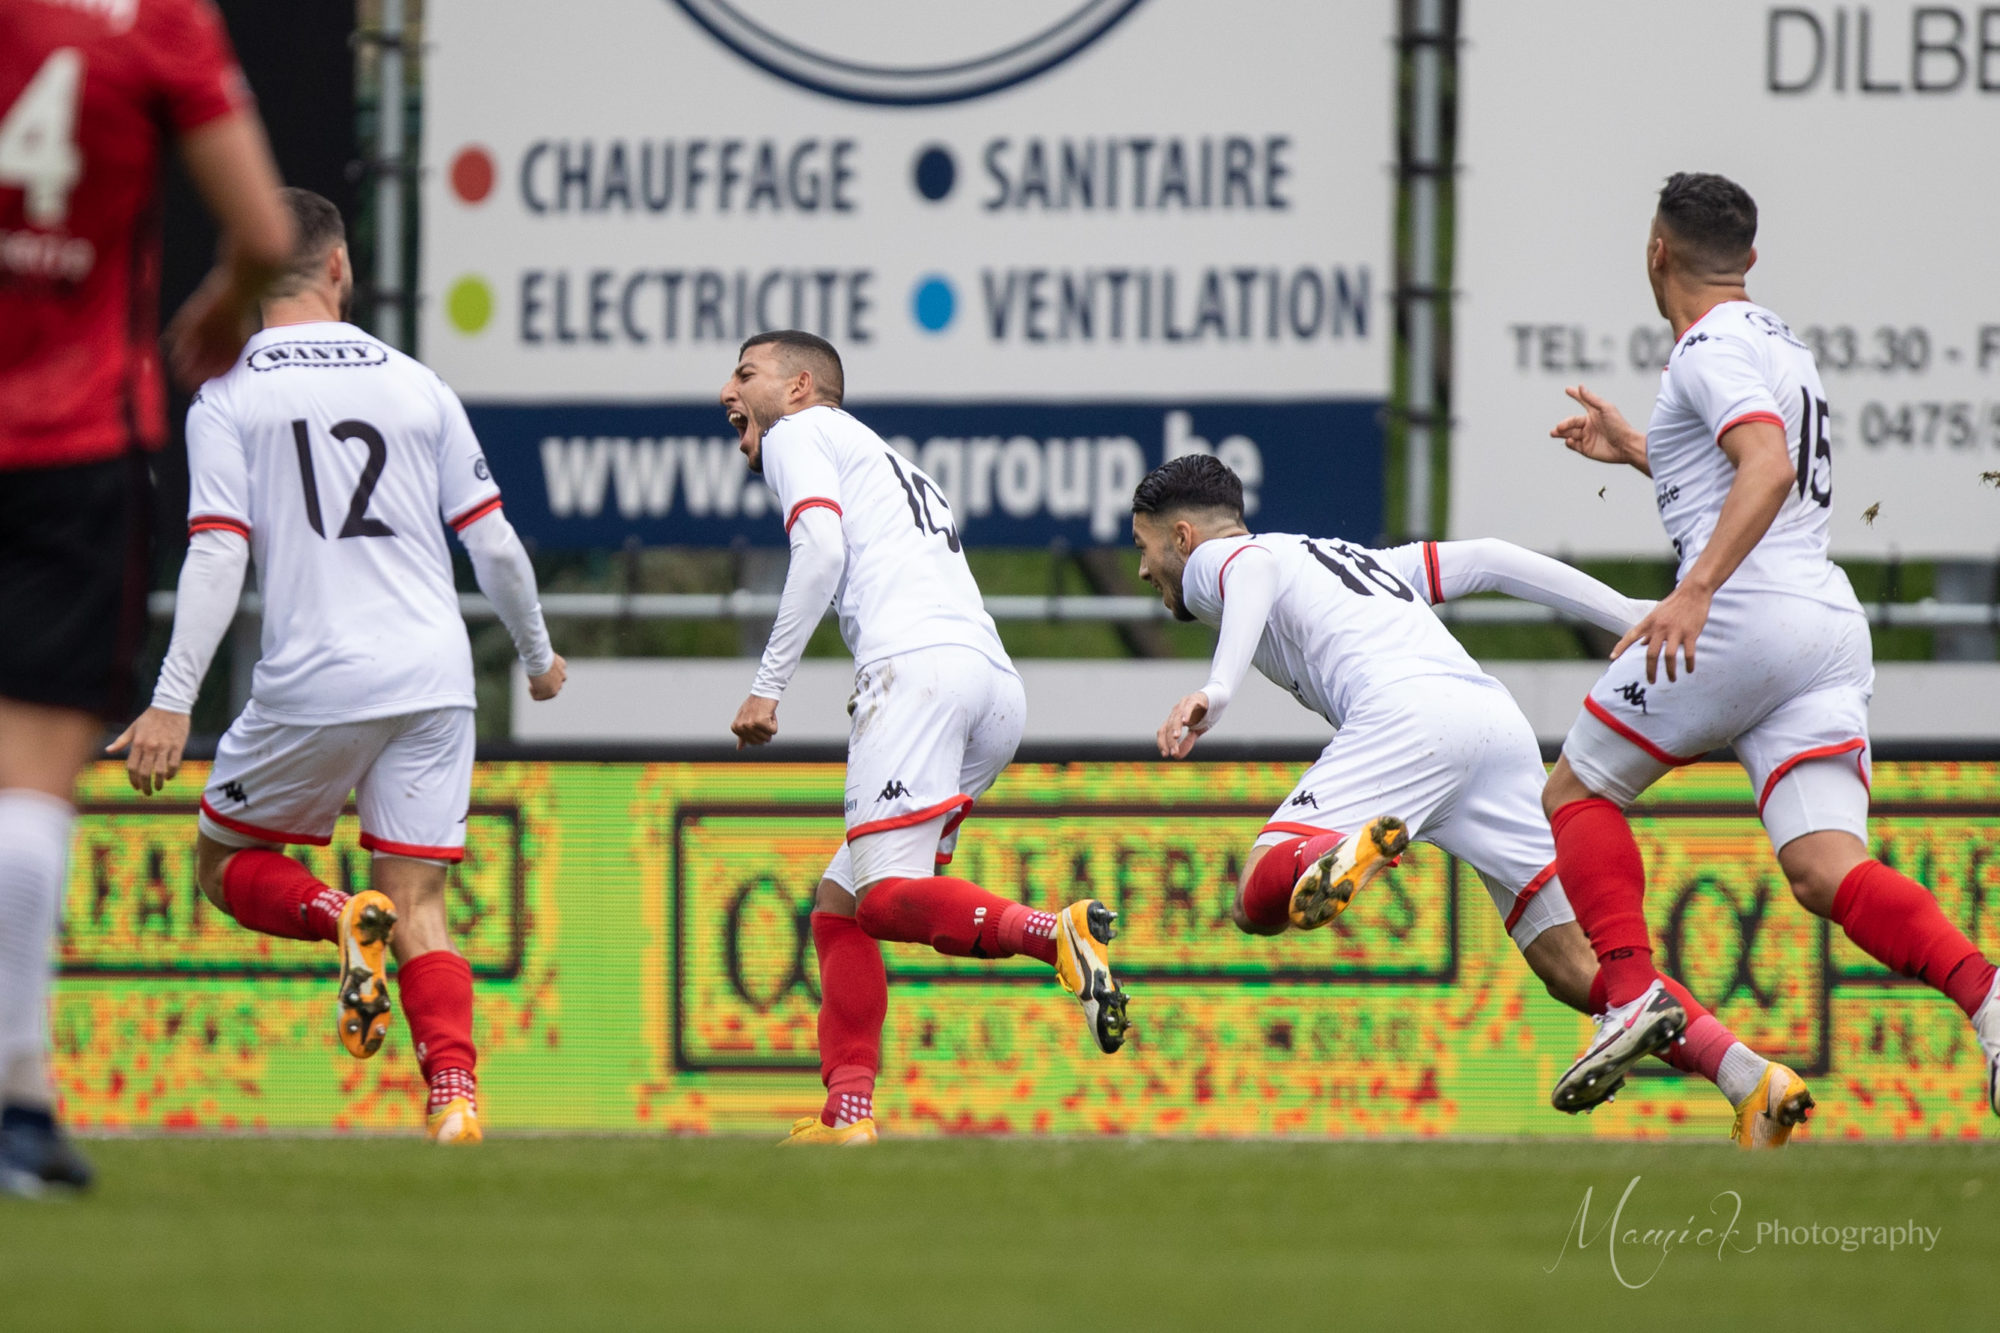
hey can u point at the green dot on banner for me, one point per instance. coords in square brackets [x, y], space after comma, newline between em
[469, 304]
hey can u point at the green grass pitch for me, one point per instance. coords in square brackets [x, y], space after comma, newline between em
[547, 1233]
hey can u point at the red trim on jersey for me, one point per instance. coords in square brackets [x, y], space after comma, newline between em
[474, 514]
[1223, 573]
[218, 523]
[1817, 752]
[268, 835]
[1598, 711]
[1431, 573]
[1304, 830]
[1529, 890]
[375, 844]
[914, 817]
[812, 502]
[1771, 417]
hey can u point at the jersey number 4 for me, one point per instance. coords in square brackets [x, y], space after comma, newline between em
[358, 523]
[1814, 447]
[38, 150]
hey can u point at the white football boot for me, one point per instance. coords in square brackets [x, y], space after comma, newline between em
[1626, 1034]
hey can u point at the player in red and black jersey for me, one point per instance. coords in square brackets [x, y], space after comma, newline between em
[90, 91]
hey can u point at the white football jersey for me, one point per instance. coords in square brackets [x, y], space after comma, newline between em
[1738, 363]
[907, 585]
[336, 455]
[1346, 619]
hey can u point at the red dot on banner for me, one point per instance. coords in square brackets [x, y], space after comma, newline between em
[472, 174]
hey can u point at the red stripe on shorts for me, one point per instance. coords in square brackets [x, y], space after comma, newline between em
[375, 844]
[1529, 890]
[1817, 752]
[1431, 572]
[914, 817]
[1598, 711]
[249, 830]
[1303, 830]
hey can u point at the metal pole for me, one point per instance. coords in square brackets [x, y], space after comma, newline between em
[1421, 315]
[389, 310]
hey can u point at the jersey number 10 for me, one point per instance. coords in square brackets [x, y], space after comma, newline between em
[358, 523]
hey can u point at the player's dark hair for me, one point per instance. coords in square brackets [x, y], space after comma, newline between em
[805, 351]
[317, 228]
[1712, 216]
[1192, 481]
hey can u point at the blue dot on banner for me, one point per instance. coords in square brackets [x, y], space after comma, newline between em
[935, 172]
[934, 303]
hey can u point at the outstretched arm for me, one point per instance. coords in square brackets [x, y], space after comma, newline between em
[819, 560]
[507, 577]
[211, 582]
[1249, 587]
[1487, 564]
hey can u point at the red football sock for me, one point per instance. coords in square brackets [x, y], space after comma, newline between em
[1897, 921]
[1267, 898]
[854, 1000]
[436, 989]
[956, 917]
[270, 892]
[1605, 879]
[1701, 1047]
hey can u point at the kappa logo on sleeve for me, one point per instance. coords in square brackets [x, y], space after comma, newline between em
[893, 790]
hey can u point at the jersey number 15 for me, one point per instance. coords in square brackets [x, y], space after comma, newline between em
[1813, 447]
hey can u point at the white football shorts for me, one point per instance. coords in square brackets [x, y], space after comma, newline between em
[411, 777]
[1784, 680]
[1455, 760]
[930, 731]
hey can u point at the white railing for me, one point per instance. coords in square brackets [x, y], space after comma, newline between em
[1927, 614]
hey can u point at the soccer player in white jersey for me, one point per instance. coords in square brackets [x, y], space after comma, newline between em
[937, 712]
[1426, 745]
[330, 458]
[1742, 471]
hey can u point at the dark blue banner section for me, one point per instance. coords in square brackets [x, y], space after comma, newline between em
[1016, 474]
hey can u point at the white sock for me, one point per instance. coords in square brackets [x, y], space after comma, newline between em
[34, 852]
[1740, 1071]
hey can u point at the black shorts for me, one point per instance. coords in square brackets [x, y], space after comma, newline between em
[75, 549]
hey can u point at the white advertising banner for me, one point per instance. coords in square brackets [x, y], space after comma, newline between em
[1865, 133]
[1054, 221]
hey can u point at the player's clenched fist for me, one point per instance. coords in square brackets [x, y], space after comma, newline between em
[156, 739]
[549, 684]
[756, 721]
[1183, 726]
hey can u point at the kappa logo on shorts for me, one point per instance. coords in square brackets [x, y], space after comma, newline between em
[893, 790]
[1306, 798]
[233, 790]
[1634, 694]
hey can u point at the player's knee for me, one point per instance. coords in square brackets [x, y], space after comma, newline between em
[1561, 957]
[1816, 865]
[210, 860]
[832, 898]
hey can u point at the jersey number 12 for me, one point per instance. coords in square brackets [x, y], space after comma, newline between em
[358, 523]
